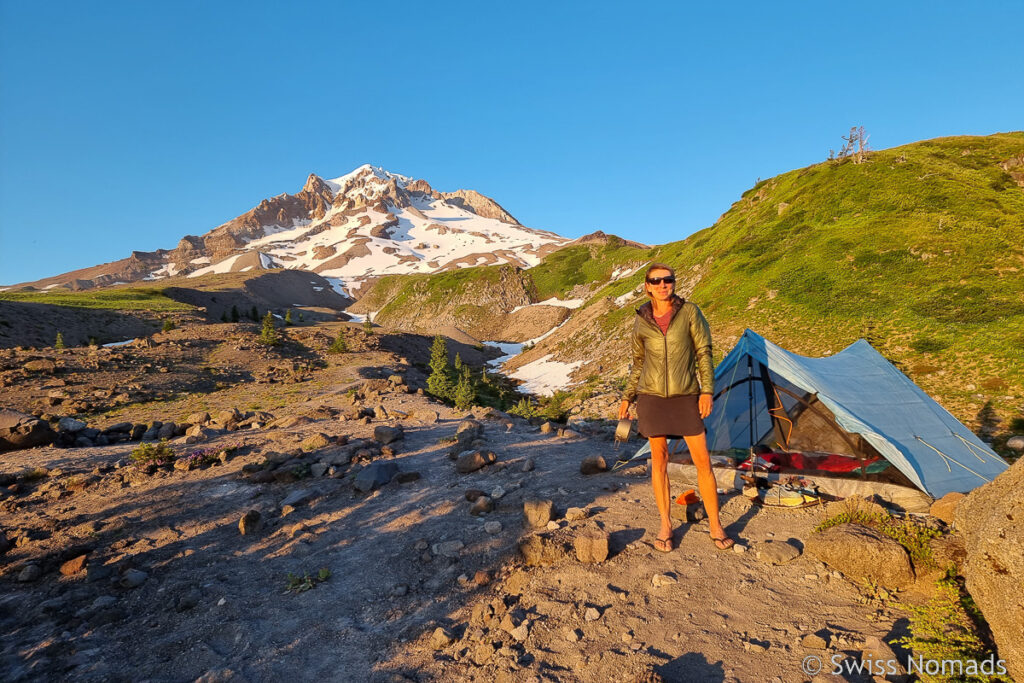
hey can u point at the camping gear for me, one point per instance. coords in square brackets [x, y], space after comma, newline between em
[854, 404]
[623, 430]
[688, 497]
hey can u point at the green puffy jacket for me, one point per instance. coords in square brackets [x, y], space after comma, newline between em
[672, 364]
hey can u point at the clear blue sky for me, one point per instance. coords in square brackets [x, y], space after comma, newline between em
[127, 125]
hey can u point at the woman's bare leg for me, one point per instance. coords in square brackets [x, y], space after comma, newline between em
[659, 482]
[706, 482]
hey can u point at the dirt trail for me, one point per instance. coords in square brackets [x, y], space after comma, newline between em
[212, 601]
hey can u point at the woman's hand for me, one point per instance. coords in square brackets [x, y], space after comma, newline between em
[704, 404]
[624, 409]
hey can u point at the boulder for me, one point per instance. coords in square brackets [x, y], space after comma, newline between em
[990, 521]
[593, 464]
[70, 425]
[1016, 443]
[249, 523]
[41, 365]
[20, 430]
[315, 442]
[375, 475]
[540, 550]
[481, 506]
[384, 434]
[945, 508]
[864, 553]
[538, 512]
[591, 546]
[74, 565]
[471, 461]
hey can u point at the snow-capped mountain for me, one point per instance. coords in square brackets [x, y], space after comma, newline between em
[364, 224]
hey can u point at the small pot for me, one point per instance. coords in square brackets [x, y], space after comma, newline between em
[624, 430]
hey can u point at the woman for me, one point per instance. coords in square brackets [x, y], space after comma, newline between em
[672, 381]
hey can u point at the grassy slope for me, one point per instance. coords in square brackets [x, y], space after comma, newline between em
[918, 249]
[122, 299]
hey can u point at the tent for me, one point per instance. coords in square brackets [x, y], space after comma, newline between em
[853, 405]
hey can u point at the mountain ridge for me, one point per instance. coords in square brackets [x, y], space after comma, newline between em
[382, 221]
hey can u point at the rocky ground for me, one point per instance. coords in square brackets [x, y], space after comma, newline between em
[315, 525]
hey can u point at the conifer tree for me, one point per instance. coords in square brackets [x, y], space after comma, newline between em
[340, 344]
[288, 316]
[224, 316]
[234, 313]
[59, 343]
[440, 382]
[268, 335]
[255, 314]
[465, 392]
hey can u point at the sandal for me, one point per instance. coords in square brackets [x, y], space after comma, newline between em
[723, 542]
[663, 545]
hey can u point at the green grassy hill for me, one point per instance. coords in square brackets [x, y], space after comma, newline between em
[919, 248]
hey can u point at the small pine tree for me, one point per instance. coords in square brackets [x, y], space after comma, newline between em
[465, 392]
[368, 325]
[254, 314]
[268, 335]
[288, 316]
[440, 383]
[340, 345]
[460, 367]
[224, 317]
[59, 343]
[301, 318]
[234, 313]
[168, 326]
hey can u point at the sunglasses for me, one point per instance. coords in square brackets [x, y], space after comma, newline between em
[669, 280]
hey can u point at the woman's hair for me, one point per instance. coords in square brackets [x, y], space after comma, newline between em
[653, 267]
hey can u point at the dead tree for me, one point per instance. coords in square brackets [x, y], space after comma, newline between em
[854, 145]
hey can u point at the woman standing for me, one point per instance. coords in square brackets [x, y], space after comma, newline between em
[671, 382]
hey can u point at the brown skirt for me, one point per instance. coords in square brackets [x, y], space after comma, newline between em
[674, 417]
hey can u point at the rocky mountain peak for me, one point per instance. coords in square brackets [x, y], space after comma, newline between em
[364, 224]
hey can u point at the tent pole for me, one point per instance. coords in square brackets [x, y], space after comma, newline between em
[766, 385]
[750, 398]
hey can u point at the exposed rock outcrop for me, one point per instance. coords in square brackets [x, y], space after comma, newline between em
[990, 519]
[18, 430]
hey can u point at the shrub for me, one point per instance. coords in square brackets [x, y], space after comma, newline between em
[339, 345]
[168, 326]
[59, 343]
[153, 454]
[300, 584]
[947, 629]
[524, 408]
[268, 335]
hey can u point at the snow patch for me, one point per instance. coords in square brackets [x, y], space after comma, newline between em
[219, 267]
[627, 297]
[553, 301]
[508, 350]
[545, 376]
[120, 343]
